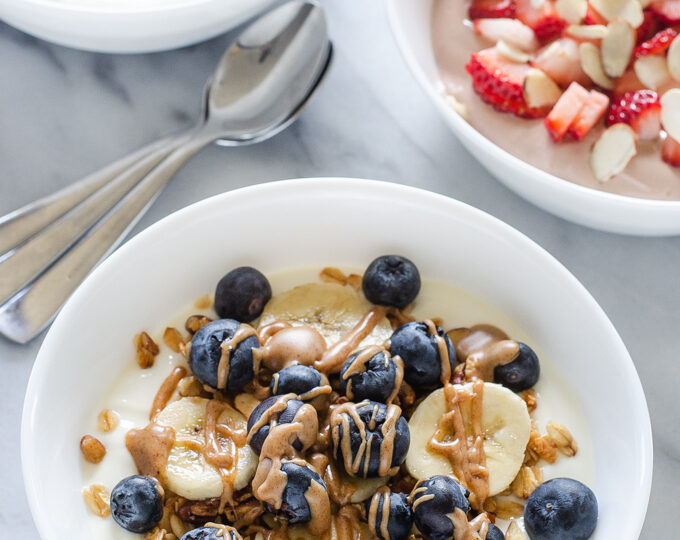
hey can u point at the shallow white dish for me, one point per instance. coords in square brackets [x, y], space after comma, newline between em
[316, 222]
[410, 21]
[127, 26]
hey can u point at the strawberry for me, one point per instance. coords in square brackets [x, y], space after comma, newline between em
[561, 60]
[589, 115]
[512, 31]
[566, 110]
[670, 151]
[499, 81]
[491, 9]
[641, 110]
[544, 21]
[668, 11]
[657, 44]
[648, 28]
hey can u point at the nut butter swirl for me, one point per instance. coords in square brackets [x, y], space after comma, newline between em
[228, 346]
[465, 451]
[482, 348]
[444, 357]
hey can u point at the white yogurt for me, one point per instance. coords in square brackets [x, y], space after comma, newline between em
[132, 393]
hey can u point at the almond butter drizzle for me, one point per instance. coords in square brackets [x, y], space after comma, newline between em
[347, 525]
[150, 448]
[463, 529]
[339, 491]
[465, 451]
[224, 530]
[381, 500]
[340, 417]
[243, 332]
[333, 358]
[444, 358]
[165, 391]
[483, 347]
[285, 345]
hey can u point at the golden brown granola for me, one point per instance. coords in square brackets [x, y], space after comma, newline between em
[93, 450]
[146, 350]
[529, 397]
[562, 438]
[107, 420]
[503, 507]
[543, 446]
[97, 500]
[354, 281]
[333, 275]
[526, 481]
[195, 322]
[203, 302]
[189, 386]
[173, 339]
[245, 403]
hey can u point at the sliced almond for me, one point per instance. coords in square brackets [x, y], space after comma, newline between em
[627, 10]
[587, 31]
[613, 151]
[512, 53]
[457, 106]
[673, 59]
[515, 532]
[591, 62]
[537, 4]
[572, 11]
[540, 90]
[617, 47]
[670, 113]
[652, 71]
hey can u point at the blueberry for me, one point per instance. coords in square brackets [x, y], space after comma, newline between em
[399, 518]
[297, 379]
[295, 507]
[276, 417]
[419, 350]
[441, 495]
[369, 373]
[494, 533]
[242, 294]
[136, 503]
[520, 374]
[206, 353]
[371, 416]
[561, 509]
[391, 280]
[224, 532]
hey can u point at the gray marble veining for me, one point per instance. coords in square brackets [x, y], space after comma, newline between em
[64, 113]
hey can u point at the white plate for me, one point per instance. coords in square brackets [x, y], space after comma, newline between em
[410, 20]
[317, 222]
[127, 26]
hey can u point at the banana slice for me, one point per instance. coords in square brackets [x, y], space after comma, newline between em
[187, 473]
[330, 308]
[364, 488]
[506, 425]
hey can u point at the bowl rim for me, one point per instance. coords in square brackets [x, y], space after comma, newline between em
[93, 10]
[550, 180]
[387, 189]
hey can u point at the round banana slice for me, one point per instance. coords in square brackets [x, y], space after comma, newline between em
[364, 488]
[187, 472]
[506, 426]
[330, 308]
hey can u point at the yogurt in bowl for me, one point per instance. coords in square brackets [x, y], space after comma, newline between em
[146, 281]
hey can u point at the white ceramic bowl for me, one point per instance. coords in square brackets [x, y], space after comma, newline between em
[410, 20]
[316, 222]
[127, 26]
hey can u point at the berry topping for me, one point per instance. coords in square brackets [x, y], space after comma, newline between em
[561, 508]
[391, 280]
[520, 374]
[297, 379]
[499, 82]
[434, 501]
[295, 507]
[242, 294]
[657, 44]
[136, 503]
[216, 532]
[590, 114]
[371, 373]
[420, 345]
[566, 110]
[222, 354]
[399, 515]
[561, 61]
[276, 411]
[544, 20]
[641, 110]
[483, 9]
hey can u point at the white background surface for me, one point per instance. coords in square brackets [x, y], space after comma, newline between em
[65, 113]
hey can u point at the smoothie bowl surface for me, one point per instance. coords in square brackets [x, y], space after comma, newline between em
[569, 341]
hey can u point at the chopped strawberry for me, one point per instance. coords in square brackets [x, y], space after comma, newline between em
[641, 110]
[648, 28]
[544, 21]
[593, 17]
[667, 10]
[512, 31]
[657, 44]
[566, 110]
[590, 114]
[491, 9]
[499, 81]
[561, 60]
[670, 151]
[628, 82]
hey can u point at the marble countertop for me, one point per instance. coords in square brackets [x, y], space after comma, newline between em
[65, 113]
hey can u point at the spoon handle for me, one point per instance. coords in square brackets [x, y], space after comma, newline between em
[27, 313]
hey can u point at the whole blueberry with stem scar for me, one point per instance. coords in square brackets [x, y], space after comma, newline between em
[242, 294]
[389, 512]
[371, 373]
[136, 503]
[276, 411]
[222, 354]
[520, 374]
[433, 501]
[391, 280]
[212, 531]
[297, 379]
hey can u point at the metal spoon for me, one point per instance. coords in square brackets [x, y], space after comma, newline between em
[259, 88]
